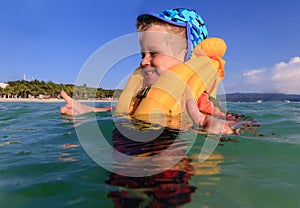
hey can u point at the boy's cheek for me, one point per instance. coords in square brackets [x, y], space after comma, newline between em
[161, 70]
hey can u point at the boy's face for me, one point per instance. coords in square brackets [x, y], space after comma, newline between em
[157, 53]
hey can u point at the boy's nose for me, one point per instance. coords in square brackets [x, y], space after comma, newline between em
[146, 61]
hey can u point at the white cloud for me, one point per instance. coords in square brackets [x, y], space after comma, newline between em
[253, 72]
[281, 78]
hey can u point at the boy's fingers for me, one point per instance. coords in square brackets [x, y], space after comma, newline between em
[65, 96]
[63, 110]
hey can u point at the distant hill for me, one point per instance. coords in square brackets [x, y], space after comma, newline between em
[254, 97]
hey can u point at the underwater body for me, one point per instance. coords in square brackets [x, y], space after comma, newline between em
[45, 164]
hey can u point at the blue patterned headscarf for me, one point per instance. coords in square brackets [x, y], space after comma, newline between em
[195, 27]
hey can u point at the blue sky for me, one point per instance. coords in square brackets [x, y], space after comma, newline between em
[53, 39]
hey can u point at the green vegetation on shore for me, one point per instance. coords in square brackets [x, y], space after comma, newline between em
[42, 89]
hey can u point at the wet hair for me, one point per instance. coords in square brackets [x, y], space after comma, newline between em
[177, 31]
[146, 23]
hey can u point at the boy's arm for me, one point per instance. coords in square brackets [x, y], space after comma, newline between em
[73, 107]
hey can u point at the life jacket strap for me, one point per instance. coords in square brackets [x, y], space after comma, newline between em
[139, 97]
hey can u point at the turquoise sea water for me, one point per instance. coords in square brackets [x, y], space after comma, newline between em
[42, 164]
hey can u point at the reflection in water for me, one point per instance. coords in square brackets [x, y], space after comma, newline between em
[170, 188]
[173, 187]
[167, 189]
[65, 156]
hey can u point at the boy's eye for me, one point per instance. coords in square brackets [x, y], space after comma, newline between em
[151, 54]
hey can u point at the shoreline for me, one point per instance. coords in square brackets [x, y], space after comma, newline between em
[51, 100]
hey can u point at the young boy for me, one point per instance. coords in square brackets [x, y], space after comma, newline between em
[167, 40]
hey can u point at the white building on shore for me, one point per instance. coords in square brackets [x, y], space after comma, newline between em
[3, 85]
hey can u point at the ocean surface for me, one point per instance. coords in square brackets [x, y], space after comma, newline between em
[44, 164]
